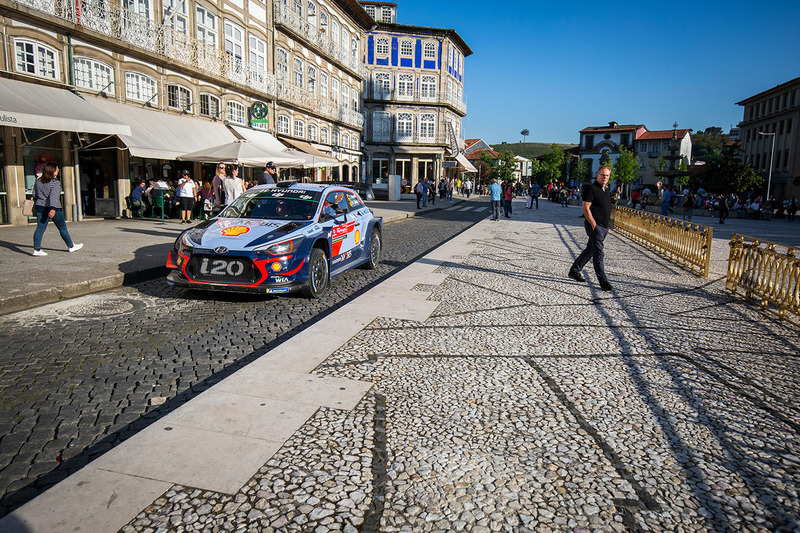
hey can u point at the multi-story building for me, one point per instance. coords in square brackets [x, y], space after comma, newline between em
[413, 99]
[652, 146]
[602, 144]
[769, 135]
[114, 90]
[522, 172]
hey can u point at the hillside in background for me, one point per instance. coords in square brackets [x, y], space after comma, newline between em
[529, 150]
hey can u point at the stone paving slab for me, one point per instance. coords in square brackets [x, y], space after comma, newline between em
[518, 400]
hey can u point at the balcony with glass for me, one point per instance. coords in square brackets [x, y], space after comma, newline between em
[406, 94]
[304, 99]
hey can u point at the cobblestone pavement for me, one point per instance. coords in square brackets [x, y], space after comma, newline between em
[78, 377]
[529, 402]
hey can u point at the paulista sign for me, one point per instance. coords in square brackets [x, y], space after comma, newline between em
[259, 113]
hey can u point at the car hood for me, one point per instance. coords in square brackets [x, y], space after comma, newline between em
[242, 233]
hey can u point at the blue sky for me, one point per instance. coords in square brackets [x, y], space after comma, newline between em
[556, 68]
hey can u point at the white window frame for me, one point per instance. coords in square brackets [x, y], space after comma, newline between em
[407, 48]
[299, 72]
[386, 14]
[93, 74]
[323, 84]
[428, 87]
[257, 52]
[354, 48]
[234, 40]
[36, 58]
[182, 98]
[370, 11]
[382, 46]
[405, 126]
[381, 126]
[312, 133]
[354, 99]
[180, 20]
[142, 8]
[209, 105]
[345, 96]
[236, 112]
[335, 138]
[311, 10]
[429, 51]
[283, 124]
[405, 86]
[206, 26]
[323, 135]
[299, 128]
[335, 90]
[281, 64]
[346, 140]
[141, 87]
[427, 126]
[312, 79]
[335, 31]
[323, 21]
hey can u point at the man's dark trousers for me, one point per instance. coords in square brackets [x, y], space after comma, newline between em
[593, 251]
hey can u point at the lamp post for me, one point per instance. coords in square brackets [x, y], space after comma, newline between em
[771, 157]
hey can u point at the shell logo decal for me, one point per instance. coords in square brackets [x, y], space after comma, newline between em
[358, 236]
[234, 231]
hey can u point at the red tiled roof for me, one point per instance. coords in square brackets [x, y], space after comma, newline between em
[660, 135]
[470, 142]
[477, 154]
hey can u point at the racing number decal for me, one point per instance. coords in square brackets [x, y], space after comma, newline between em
[220, 267]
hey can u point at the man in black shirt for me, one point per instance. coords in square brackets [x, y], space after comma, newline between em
[268, 176]
[597, 217]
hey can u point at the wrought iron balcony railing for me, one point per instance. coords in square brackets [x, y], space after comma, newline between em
[284, 16]
[403, 137]
[305, 99]
[422, 96]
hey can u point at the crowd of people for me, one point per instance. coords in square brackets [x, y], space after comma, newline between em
[189, 200]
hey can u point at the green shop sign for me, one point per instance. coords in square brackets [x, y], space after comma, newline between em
[258, 113]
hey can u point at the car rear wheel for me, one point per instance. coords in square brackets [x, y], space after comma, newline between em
[318, 274]
[375, 250]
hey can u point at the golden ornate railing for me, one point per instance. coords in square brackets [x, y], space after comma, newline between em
[685, 243]
[765, 273]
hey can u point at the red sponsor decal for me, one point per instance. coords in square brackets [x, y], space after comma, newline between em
[344, 229]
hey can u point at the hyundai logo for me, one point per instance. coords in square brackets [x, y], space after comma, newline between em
[221, 250]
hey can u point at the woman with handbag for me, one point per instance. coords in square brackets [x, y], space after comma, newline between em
[47, 205]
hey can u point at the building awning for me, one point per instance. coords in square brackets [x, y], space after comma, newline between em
[268, 141]
[314, 158]
[28, 105]
[465, 164]
[157, 135]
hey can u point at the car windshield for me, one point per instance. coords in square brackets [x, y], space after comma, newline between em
[274, 204]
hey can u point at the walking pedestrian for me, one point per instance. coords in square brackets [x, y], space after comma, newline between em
[666, 197]
[495, 195]
[187, 192]
[724, 210]
[597, 216]
[688, 205]
[47, 206]
[419, 190]
[216, 185]
[508, 195]
[792, 210]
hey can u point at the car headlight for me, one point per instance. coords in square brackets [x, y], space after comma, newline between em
[189, 240]
[281, 248]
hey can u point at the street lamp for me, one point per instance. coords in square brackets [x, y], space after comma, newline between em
[771, 157]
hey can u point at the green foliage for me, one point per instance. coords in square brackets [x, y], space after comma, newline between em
[554, 163]
[532, 150]
[538, 172]
[485, 165]
[626, 169]
[579, 170]
[709, 143]
[726, 174]
[506, 165]
[682, 166]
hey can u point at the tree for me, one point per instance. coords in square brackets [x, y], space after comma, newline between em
[579, 170]
[525, 133]
[708, 143]
[506, 165]
[485, 165]
[726, 174]
[626, 169]
[554, 163]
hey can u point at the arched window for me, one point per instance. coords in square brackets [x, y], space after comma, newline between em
[405, 126]
[92, 74]
[430, 51]
[282, 60]
[299, 128]
[36, 58]
[312, 132]
[236, 113]
[382, 85]
[323, 135]
[312, 14]
[141, 87]
[405, 86]
[178, 96]
[428, 87]
[346, 140]
[335, 138]
[427, 126]
[209, 105]
[298, 72]
[283, 124]
[323, 21]
[382, 46]
[323, 85]
[406, 48]
[312, 80]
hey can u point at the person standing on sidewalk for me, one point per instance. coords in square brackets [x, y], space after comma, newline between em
[724, 210]
[233, 185]
[47, 205]
[419, 190]
[268, 176]
[597, 217]
[508, 195]
[495, 195]
[216, 185]
[187, 192]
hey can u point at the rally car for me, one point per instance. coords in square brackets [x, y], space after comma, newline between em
[278, 239]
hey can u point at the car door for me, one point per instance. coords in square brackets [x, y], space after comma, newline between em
[336, 213]
[361, 216]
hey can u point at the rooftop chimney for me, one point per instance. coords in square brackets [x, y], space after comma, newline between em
[612, 124]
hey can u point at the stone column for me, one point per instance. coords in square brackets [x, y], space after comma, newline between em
[15, 175]
[68, 175]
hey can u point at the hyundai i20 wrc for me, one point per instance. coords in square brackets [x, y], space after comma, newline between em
[278, 239]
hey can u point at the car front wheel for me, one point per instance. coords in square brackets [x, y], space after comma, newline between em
[318, 274]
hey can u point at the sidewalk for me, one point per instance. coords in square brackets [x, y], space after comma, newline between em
[480, 389]
[115, 253]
